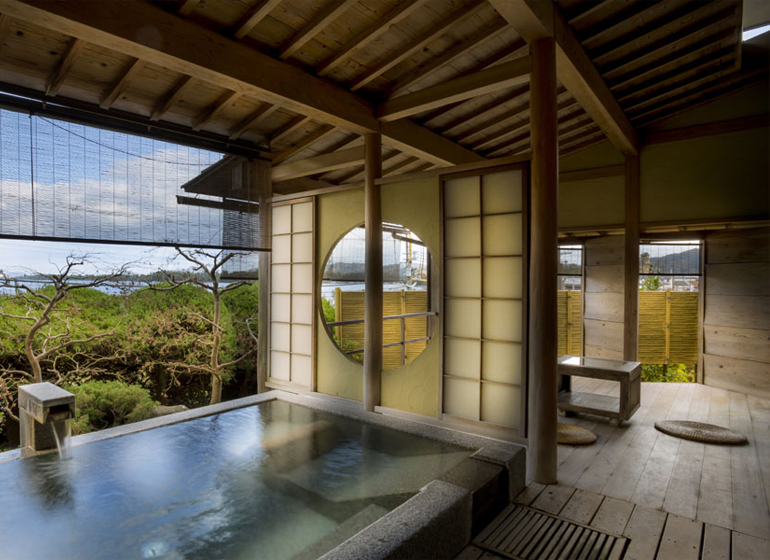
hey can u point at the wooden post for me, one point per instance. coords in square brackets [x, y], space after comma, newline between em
[631, 260]
[262, 187]
[543, 325]
[373, 275]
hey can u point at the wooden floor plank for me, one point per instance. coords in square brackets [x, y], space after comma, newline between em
[746, 547]
[553, 498]
[623, 481]
[682, 492]
[650, 491]
[582, 506]
[716, 543]
[715, 498]
[612, 453]
[644, 528]
[681, 539]
[750, 509]
[612, 516]
[579, 460]
[700, 405]
[529, 494]
[470, 553]
[759, 410]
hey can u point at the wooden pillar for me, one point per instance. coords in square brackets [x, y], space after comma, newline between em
[631, 260]
[262, 184]
[373, 275]
[541, 431]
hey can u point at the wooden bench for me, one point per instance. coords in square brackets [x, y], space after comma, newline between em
[628, 374]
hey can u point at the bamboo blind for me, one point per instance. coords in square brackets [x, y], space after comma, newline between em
[350, 305]
[668, 327]
[569, 305]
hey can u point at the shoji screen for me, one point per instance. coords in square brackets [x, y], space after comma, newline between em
[292, 291]
[483, 314]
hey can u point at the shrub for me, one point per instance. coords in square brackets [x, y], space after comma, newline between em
[674, 373]
[104, 404]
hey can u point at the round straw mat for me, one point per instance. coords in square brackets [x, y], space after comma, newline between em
[698, 431]
[574, 435]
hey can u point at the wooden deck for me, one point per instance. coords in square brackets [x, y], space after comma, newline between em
[675, 499]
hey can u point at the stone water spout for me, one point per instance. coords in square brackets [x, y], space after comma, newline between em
[45, 412]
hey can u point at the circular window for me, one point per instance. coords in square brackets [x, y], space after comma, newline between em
[406, 277]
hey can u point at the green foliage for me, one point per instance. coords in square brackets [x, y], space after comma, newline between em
[673, 373]
[330, 314]
[104, 404]
[650, 284]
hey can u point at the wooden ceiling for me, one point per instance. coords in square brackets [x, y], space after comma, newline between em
[446, 81]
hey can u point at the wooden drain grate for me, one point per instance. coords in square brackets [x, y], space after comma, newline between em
[523, 533]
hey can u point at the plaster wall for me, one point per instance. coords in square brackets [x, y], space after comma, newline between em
[414, 204]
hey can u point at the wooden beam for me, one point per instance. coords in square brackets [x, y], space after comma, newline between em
[5, 25]
[218, 106]
[66, 62]
[121, 25]
[171, 98]
[487, 81]
[188, 6]
[257, 13]
[373, 329]
[416, 44]
[315, 26]
[358, 175]
[483, 109]
[318, 164]
[592, 173]
[234, 205]
[418, 141]
[302, 185]
[462, 48]
[400, 165]
[400, 12]
[631, 262]
[289, 127]
[262, 113]
[119, 87]
[311, 138]
[542, 378]
[708, 129]
[534, 20]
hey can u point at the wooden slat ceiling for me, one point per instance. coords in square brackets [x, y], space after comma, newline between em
[657, 58]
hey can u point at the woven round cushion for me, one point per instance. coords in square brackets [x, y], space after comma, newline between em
[574, 435]
[698, 431]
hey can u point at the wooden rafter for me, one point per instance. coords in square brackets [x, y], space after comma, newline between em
[498, 58]
[400, 12]
[264, 111]
[119, 25]
[315, 26]
[171, 97]
[188, 6]
[357, 174]
[487, 81]
[400, 165]
[63, 68]
[5, 25]
[288, 128]
[416, 44]
[322, 132]
[215, 109]
[121, 85]
[256, 14]
[535, 20]
[510, 116]
[319, 164]
[458, 51]
[484, 108]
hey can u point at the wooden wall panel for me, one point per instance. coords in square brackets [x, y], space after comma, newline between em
[749, 312]
[737, 311]
[748, 344]
[738, 279]
[603, 322]
[743, 376]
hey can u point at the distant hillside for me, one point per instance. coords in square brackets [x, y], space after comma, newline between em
[686, 262]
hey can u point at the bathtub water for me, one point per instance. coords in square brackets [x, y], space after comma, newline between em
[271, 481]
